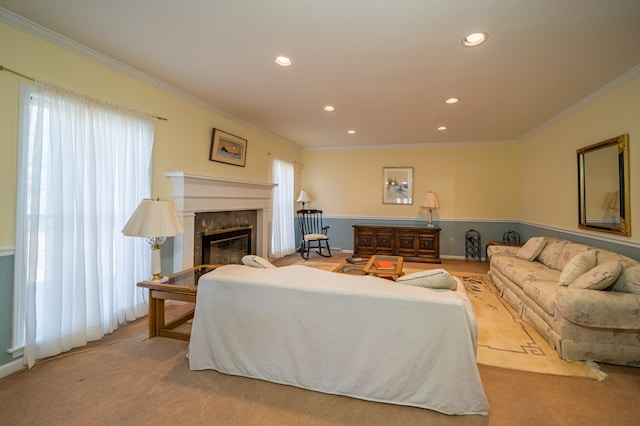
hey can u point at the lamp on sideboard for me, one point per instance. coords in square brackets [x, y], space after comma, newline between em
[431, 202]
[303, 197]
[154, 220]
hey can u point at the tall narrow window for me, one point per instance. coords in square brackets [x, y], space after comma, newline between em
[282, 229]
[82, 169]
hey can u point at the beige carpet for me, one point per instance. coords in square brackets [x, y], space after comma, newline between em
[505, 340]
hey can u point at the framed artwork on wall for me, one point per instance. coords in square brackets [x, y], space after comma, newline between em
[397, 185]
[228, 148]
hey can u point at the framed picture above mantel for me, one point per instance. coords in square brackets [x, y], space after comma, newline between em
[228, 148]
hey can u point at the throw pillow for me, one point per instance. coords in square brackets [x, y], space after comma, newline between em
[629, 281]
[432, 278]
[257, 261]
[600, 277]
[531, 249]
[577, 266]
[551, 253]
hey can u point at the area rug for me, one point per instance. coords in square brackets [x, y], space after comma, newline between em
[504, 339]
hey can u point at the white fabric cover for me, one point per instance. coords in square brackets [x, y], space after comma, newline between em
[358, 336]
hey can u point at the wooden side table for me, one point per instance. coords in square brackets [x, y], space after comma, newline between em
[181, 286]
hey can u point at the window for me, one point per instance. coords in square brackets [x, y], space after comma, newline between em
[282, 229]
[83, 167]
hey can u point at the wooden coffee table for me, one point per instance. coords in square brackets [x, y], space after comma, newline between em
[373, 268]
[350, 268]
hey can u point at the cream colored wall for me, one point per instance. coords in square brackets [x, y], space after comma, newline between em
[472, 181]
[549, 192]
[181, 143]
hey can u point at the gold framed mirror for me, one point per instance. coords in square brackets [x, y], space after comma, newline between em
[603, 186]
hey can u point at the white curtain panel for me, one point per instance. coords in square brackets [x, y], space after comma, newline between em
[83, 168]
[282, 228]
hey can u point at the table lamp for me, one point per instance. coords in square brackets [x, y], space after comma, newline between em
[303, 197]
[154, 220]
[431, 202]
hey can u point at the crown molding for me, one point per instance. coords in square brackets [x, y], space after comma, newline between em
[628, 76]
[408, 145]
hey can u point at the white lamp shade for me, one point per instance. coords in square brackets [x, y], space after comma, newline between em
[154, 218]
[303, 197]
[431, 201]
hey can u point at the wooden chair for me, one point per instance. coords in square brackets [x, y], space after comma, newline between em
[313, 233]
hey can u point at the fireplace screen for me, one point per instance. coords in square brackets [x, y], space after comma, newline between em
[226, 246]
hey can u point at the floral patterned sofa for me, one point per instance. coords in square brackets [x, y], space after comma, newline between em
[584, 300]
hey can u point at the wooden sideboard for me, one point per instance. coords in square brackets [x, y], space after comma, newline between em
[413, 243]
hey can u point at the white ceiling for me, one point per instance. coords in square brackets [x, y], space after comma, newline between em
[386, 66]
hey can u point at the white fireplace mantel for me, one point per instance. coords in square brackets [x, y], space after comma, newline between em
[198, 194]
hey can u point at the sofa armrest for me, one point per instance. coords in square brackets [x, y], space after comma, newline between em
[498, 249]
[600, 309]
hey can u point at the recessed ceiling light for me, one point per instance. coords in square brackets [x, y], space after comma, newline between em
[329, 108]
[351, 132]
[475, 39]
[442, 128]
[283, 61]
[452, 101]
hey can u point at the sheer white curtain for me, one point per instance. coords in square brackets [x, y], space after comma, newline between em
[83, 167]
[282, 227]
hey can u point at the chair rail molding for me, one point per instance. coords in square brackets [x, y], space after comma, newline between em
[7, 251]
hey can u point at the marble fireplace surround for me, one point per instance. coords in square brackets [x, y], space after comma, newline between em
[199, 194]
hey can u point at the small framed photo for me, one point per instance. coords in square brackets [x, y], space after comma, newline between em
[227, 148]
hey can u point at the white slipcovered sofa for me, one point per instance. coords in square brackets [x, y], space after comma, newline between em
[584, 300]
[359, 336]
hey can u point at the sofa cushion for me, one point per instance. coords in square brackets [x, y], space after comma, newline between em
[577, 266]
[551, 252]
[604, 256]
[543, 293]
[569, 251]
[519, 270]
[531, 249]
[600, 277]
[628, 281]
[433, 278]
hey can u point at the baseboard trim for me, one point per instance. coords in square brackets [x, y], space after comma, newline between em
[11, 367]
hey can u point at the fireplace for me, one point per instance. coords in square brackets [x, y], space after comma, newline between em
[226, 246]
[196, 194]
